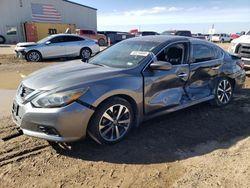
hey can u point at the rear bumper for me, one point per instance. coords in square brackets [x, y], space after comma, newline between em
[64, 124]
[240, 81]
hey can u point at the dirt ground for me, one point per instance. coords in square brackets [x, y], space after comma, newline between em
[202, 146]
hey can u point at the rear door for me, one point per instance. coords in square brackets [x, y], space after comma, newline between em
[206, 62]
[73, 45]
[165, 89]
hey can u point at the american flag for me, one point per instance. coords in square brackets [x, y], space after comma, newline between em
[45, 13]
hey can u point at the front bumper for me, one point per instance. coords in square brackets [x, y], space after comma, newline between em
[63, 124]
[246, 63]
[20, 54]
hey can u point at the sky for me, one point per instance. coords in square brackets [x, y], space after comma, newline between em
[229, 16]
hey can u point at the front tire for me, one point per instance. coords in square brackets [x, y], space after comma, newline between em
[223, 92]
[112, 121]
[34, 56]
[2, 39]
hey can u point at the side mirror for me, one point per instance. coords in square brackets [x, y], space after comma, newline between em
[47, 42]
[161, 65]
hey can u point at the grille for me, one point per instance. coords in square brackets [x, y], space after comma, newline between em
[244, 50]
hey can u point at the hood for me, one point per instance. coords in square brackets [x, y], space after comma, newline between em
[70, 74]
[26, 44]
[242, 39]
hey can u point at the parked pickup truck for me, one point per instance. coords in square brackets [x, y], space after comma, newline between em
[241, 47]
[93, 35]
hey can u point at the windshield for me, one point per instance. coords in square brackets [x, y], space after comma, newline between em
[125, 54]
[248, 33]
[44, 40]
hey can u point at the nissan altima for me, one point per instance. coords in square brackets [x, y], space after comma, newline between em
[55, 46]
[128, 83]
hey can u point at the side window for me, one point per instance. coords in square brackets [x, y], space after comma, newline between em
[72, 38]
[57, 40]
[202, 53]
[91, 32]
[218, 53]
[88, 32]
[175, 54]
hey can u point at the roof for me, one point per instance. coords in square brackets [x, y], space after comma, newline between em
[74, 3]
[160, 38]
[169, 38]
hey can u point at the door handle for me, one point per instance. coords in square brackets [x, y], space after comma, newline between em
[181, 75]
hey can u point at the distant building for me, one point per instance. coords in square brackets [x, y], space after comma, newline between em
[14, 13]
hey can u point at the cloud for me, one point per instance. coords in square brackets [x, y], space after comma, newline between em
[173, 15]
[215, 8]
[151, 11]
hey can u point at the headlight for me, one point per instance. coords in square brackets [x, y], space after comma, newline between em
[59, 99]
[233, 44]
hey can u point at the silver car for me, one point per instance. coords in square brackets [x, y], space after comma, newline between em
[59, 45]
[128, 83]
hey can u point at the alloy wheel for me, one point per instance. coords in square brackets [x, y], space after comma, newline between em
[114, 122]
[224, 91]
[86, 53]
[34, 56]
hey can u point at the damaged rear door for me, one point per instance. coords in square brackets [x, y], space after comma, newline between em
[164, 89]
[206, 63]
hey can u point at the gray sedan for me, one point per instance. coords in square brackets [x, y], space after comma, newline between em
[128, 83]
[59, 45]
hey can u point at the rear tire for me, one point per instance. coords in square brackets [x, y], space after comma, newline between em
[33, 56]
[2, 39]
[223, 92]
[101, 42]
[85, 53]
[112, 121]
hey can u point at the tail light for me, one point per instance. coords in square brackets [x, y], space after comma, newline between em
[240, 64]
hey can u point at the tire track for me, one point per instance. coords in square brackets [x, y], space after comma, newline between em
[18, 155]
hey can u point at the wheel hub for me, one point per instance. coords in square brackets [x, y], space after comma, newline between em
[115, 122]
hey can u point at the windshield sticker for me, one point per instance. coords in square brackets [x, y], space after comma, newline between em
[129, 64]
[139, 53]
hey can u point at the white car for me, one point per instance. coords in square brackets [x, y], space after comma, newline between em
[241, 47]
[59, 45]
[222, 37]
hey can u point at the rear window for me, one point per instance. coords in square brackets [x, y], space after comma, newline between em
[88, 32]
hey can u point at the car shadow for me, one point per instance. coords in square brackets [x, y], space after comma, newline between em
[194, 131]
[58, 60]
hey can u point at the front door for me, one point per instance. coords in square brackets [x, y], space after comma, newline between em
[56, 48]
[165, 89]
